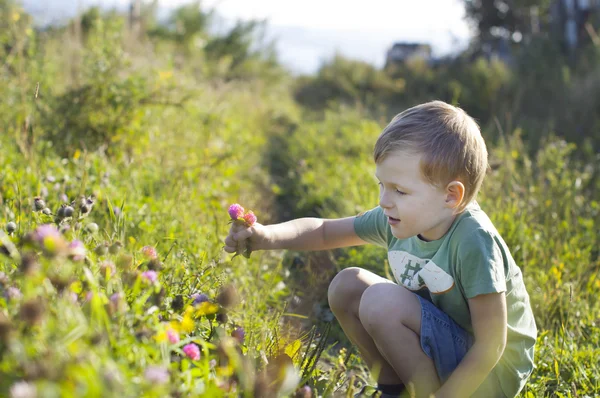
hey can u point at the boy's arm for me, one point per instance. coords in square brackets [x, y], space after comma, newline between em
[488, 315]
[305, 234]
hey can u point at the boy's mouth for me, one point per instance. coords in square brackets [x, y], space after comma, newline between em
[393, 220]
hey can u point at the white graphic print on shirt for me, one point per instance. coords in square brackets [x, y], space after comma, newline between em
[415, 273]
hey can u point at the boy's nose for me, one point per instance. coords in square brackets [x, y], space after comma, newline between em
[384, 201]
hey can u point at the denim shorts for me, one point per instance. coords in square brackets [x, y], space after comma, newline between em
[446, 343]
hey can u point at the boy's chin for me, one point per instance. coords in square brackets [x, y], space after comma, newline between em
[401, 235]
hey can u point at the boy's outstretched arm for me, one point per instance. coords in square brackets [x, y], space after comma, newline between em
[488, 315]
[302, 234]
[313, 234]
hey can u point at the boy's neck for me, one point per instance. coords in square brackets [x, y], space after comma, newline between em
[440, 230]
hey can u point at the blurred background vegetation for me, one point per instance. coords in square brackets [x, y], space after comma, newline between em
[166, 124]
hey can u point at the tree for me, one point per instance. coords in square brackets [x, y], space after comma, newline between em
[514, 20]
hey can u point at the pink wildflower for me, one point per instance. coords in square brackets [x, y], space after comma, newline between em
[236, 211]
[173, 336]
[156, 374]
[45, 231]
[13, 293]
[76, 250]
[149, 252]
[49, 239]
[192, 351]
[249, 218]
[150, 276]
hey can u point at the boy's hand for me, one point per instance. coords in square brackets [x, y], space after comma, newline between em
[241, 237]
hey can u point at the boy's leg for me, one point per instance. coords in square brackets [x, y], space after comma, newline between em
[391, 315]
[344, 294]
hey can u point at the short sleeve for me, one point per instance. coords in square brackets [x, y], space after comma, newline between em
[372, 226]
[482, 268]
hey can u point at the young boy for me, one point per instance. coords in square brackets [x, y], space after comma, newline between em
[458, 321]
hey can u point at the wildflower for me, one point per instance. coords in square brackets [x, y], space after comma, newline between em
[303, 392]
[116, 302]
[239, 334]
[13, 293]
[177, 303]
[117, 211]
[149, 252]
[236, 211]
[156, 374]
[60, 213]
[92, 227]
[115, 297]
[73, 297]
[212, 363]
[187, 323]
[89, 296]
[228, 296]
[49, 239]
[23, 389]
[206, 308]
[68, 211]
[173, 336]
[29, 263]
[101, 249]
[108, 267]
[154, 264]
[199, 298]
[38, 203]
[47, 211]
[222, 317]
[192, 351]
[150, 276]
[250, 219]
[76, 250]
[115, 247]
[63, 197]
[11, 227]
[32, 311]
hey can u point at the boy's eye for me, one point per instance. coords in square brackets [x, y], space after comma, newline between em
[400, 192]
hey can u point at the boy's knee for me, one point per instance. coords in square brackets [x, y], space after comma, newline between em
[345, 287]
[382, 305]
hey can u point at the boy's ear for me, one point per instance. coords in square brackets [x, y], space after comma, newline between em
[455, 193]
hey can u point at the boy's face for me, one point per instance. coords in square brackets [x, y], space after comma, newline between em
[413, 206]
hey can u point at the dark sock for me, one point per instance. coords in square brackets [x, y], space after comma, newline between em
[392, 389]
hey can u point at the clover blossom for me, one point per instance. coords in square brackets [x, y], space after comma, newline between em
[76, 250]
[149, 252]
[236, 211]
[249, 218]
[156, 374]
[173, 336]
[150, 276]
[192, 351]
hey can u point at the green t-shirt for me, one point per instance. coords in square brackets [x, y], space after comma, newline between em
[469, 260]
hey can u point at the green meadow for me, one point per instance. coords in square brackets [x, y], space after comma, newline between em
[121, 151]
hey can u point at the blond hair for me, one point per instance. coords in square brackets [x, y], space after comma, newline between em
[448, 139]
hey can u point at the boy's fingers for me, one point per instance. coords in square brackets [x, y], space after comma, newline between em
[229, 249]
[230, 241]
[242, 235]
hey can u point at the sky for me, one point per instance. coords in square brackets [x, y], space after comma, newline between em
[308, 32]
